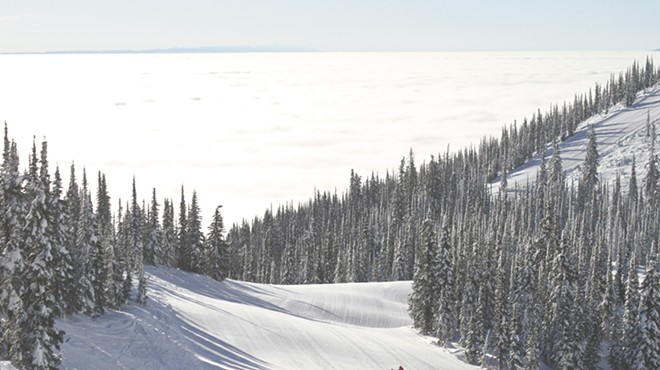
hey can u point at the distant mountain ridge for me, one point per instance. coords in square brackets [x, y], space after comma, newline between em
[186, 50]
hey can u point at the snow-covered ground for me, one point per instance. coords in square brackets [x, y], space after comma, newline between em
[193, 322]
[620, 135]
[6, 365]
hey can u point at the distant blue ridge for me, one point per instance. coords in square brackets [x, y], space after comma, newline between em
[200, 50]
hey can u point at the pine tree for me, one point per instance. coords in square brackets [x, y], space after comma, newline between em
[564, 294]
[446, 315]
[12, 257]
[611, 317]
[589, 179]
[72, 216]
[142, 286]
[87, 245]
[125, 242]
[102, 254]
[288, 273]
[474, 340]
[152, 250]
[556, 175]
[648, 348]
[194, 247]
[501, 325]
[137, 247]
[632, 185]
[652, 175]
[64, 274]
[532, 345]
[42, 339]
[183, 261]
[168, 235]
[423, 303]
[218, 258]
[630, 333]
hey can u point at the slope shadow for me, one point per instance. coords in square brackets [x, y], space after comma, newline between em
[230, 291]
[219, 354]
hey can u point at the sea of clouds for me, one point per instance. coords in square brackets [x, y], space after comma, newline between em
[255, 130]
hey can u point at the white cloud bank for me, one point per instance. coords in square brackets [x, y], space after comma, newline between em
[251, 130]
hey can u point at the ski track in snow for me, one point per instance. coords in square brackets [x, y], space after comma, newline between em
[193, 322]
[620, 135]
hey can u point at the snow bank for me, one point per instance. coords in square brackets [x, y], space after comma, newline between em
[193, 322]
[6, 365]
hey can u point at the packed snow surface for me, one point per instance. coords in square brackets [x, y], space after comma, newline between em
[193, 322]
[621, 134]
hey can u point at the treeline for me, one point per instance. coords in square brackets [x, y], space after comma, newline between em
[61, 255]
[372, 231]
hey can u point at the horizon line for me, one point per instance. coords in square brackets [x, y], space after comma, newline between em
[283, 49]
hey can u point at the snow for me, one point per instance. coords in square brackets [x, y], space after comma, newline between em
[193, 322]
[620, 135]
[6, 365]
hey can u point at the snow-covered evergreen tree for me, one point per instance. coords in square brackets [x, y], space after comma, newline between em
[630, 335]
[218, 259]
[652, 174]
[589, 179]
[87, 253]
[182, 237]
[426, 283]
[648, 348]
[137, 246]
[58, 225]
[194, 247]
[168, 235]
[566, 350]
[152, 249]
[501, 319]
[446, 315]
[42, 340]
[12, 257]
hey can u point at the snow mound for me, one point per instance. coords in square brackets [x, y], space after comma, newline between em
[620, 134]
[6, 365]
[193, 322]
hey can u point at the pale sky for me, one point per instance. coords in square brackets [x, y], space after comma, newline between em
[330, 25]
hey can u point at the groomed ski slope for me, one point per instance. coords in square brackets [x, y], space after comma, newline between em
[193, 322]
[620, 135]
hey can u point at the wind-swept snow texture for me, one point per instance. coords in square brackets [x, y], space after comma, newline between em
[193, 322]
[620, 134]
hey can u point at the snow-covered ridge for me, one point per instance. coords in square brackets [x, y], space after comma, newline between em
[621, 134]
[193, 322]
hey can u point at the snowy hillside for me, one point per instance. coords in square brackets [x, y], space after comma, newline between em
[193, 322]
[620, 134]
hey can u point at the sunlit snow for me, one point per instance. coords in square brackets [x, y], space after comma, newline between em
[192, 322]
[621, 135]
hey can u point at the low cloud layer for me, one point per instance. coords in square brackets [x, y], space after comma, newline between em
[284, 126]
